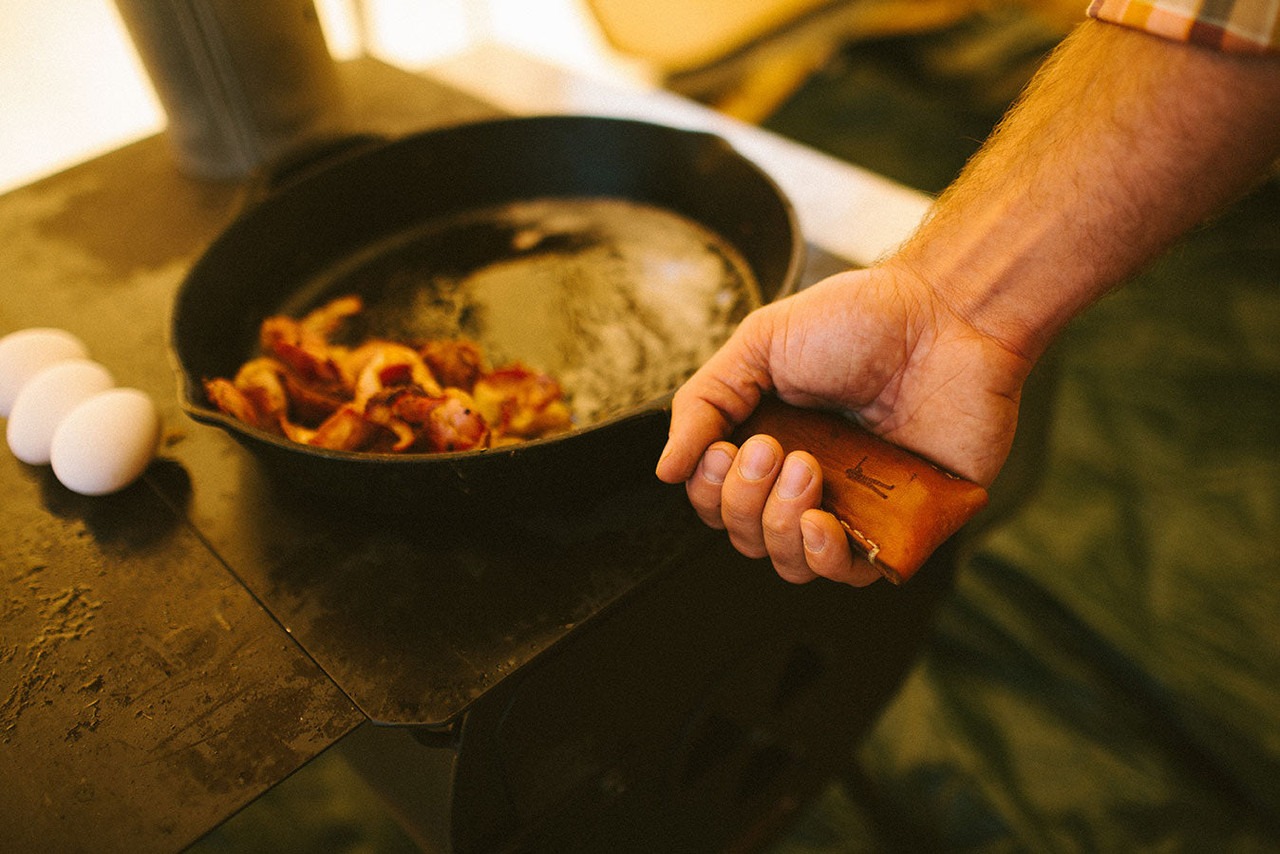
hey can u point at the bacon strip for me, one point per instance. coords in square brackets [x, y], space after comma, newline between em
[384, 396]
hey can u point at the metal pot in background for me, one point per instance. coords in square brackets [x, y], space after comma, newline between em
[241, 83]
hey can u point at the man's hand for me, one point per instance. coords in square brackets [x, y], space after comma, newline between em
[877, 343]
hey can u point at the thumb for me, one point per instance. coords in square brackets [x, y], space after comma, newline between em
[718, 397]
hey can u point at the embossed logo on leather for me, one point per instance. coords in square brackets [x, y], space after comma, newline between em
[857, 475]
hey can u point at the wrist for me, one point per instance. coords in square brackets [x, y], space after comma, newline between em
[993, 294]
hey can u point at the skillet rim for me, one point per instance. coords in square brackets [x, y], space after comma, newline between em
[190, 391]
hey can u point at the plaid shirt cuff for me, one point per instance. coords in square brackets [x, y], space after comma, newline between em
[1237, 26]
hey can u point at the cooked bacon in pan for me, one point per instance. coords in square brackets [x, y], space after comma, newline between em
[384, 396]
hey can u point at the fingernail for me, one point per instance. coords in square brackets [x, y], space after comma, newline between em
[758, 459]
[795, 478]
[715, 465]
[814, 537]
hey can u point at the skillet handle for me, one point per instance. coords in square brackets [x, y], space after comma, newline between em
[896, 507]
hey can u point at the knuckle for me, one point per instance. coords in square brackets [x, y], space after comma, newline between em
[738, 518]
[843, 568]
[748, 548]
[710, 518]
[794, 575]
[776, 524]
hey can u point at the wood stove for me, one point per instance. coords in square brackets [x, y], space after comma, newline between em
[695, 714]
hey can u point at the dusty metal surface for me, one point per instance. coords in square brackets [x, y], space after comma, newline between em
[145, 694]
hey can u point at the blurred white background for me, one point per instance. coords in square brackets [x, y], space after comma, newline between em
[71, 86]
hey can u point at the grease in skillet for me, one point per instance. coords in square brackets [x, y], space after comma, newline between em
[614, 302]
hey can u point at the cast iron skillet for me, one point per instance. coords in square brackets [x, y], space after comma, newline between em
[423, 228]
[402, 222]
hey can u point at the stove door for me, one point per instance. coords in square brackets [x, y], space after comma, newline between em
[698, 714]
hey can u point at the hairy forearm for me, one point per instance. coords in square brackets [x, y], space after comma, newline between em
[1122, 143]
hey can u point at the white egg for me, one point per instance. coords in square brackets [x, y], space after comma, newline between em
[45, 400]
[106, 442]
[25, 353]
